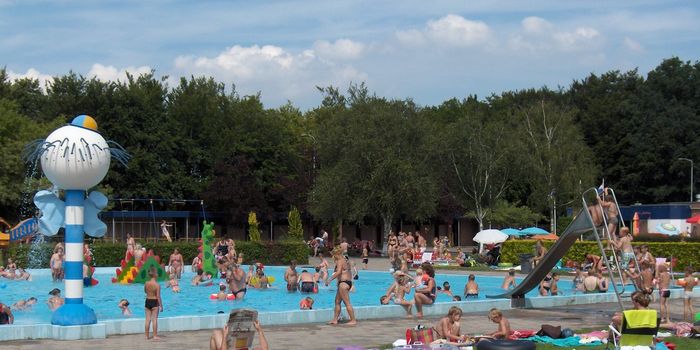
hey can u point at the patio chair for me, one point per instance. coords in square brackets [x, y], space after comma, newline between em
[638, 328]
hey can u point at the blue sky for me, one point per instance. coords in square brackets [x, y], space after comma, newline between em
[426, 50]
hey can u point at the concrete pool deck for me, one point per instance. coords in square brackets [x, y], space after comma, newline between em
[299, 324]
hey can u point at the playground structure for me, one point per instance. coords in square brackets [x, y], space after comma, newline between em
[132, 271]
[75, 158]
[582, 223]
[24, 230]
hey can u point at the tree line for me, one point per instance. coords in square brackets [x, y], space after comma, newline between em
[359, 157]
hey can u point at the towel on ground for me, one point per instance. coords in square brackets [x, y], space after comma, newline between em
[640, 319]
[570, 341]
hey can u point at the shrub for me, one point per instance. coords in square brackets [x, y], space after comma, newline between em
[296, 231]
[111, 254]
[685, 252]
[253, 230]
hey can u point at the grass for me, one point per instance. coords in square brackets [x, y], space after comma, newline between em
[681, 344]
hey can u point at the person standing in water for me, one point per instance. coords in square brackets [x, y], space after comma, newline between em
[153, 304]
[164, 230]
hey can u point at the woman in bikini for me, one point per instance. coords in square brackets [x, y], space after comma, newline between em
[344, 275]
[426, 294]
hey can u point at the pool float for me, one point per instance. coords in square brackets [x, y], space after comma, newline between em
[228, 296]
[254, 280]
[493, 344]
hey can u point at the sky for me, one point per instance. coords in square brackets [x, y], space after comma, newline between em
[429, 51]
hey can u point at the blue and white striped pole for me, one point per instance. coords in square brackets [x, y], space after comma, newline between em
[74, 312]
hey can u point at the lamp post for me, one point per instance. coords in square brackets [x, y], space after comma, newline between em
[691, 176]
[313, 156]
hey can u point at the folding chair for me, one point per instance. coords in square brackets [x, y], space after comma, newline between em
[427, 257]
[639, 328]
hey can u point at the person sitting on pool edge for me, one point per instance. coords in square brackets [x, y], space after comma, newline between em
[425, 295]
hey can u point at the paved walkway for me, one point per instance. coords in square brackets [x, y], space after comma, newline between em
[368, 333]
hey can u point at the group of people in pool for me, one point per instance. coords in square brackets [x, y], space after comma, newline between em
[12, 272]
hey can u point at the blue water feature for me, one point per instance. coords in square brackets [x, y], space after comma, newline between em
[194, 300]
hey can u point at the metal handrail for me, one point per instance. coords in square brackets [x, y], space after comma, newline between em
[602, 249]
[619, 213]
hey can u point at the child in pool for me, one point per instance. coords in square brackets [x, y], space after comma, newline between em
[306, 303]
[24, 304]
[471, 289]
[221, 296]
[124, 306]
[173, 283]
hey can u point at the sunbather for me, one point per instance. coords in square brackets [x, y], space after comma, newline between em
[448, 327]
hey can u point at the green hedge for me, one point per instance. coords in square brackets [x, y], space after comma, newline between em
[686, 252]
[111, 254]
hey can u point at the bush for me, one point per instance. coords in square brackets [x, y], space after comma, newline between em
[685, 252]
[111, 254]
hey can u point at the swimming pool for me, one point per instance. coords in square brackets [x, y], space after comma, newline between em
[194, 300]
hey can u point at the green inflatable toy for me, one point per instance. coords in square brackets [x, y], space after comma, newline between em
[207, 257]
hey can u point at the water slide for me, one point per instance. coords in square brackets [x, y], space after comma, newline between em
[582, 223]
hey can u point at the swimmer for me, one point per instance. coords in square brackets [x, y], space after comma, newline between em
[173, 283]
[124, 306]
[24, 275]
[291, 277]
[221, 296]
[24, 304]
[446, 288]
[236, 279]
[196, 263]
[306, 303]
[176, 263]
[55, 301]
[6, 316]
[57, 264]
[471, 289]
[307, 283]
[509, 281]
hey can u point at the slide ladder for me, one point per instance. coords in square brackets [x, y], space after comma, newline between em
[581, 224]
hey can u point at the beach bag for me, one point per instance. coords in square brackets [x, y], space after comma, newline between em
[548, 330]
[419, 335]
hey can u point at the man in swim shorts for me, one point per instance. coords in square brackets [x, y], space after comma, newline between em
[236, 279]
[307, 283]
[291, 277]
[153, 304]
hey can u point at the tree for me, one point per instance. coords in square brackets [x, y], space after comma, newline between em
[253, 230]
[296, 231]
[16, 131]
[372, 162]
[478, 155]
[505, 214]
[558, 159]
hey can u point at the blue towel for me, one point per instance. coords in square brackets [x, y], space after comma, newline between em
[563, 342]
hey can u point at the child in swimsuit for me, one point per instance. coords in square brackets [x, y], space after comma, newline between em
[306, 303]
[471, 289]
[124, 306]
[688, 282]
[173, 283]
[663, 283]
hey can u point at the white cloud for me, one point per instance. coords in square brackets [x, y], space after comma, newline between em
[580, 38]
[111, 73]
[632, 45]
[31, 73]
[342, 49]
[450, 30]
[279, 74]
[458, 31]
[411, 37]
[535, 25]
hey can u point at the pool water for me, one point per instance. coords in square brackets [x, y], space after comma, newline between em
[194, 300]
